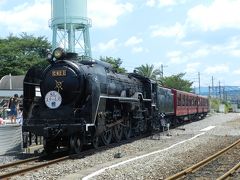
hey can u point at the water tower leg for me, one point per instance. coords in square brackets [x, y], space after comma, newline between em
[71, 38]
[54, 37]
[87, 44]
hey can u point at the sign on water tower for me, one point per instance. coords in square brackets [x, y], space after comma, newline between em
[70, 26]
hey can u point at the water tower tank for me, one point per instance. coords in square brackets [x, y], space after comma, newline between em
[69, 19]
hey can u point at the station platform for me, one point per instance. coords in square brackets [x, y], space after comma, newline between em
[10, 137]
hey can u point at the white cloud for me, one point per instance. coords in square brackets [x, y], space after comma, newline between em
[192, 67]
[174, 53]
[235, 53]
[176, 57]
[179, 57]
[34, 16]
[237, 71]
[106, 13]
[137, 49]
[219, 14]
[164, 3]
[188, 43]
[3, 2]
[177, 30]
[132, 41]
[110, 45]
[230, 47]
[151, 3]
[200, 53]
[235, 83]
[27, 17]
[221, 68]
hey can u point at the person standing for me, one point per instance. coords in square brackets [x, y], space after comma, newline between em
[13, 106]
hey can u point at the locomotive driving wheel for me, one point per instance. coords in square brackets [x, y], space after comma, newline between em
[71, 142]
[95, 141]
[117, 132]
[127, 129]
[76, 144]
[107, 136]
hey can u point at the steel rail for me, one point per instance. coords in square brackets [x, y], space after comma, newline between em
[22, 171]
[201, 163]
[82, 154]
[18, 162]
[230, 172]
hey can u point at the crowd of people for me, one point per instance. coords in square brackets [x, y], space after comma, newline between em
[13, 109]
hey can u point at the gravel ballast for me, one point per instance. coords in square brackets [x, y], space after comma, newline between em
[155, 166]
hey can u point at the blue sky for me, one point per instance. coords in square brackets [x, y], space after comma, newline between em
[184, 35]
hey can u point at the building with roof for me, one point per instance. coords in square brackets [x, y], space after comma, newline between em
[10, 85]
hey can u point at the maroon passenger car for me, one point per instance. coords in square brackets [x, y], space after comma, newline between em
[188, 105]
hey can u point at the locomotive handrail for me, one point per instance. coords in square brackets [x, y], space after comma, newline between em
[120, 98]
[35, 84]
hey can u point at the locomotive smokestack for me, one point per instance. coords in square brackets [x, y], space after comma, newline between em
[70, 26]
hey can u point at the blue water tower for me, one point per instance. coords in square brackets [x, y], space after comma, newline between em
[70, 26]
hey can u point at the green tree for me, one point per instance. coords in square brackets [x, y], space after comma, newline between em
[148, 71]
[18, 54]
[116, 63]
[176, 82]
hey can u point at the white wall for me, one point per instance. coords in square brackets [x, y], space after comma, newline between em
[10, 93]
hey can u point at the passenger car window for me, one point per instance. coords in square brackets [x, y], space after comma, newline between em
[179, 99]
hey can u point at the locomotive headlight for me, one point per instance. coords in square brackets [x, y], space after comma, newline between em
[58, 53]
[49, 56]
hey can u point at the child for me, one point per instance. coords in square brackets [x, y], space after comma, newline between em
[1, 121]
[19, 118]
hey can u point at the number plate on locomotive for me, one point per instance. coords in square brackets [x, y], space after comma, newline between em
[59, 73]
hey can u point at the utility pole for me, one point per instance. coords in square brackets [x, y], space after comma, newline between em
[162, 66]
[161, 71]
[199, 83]
[224, 96]
[219, 90]
[209, 91]
[212, 87]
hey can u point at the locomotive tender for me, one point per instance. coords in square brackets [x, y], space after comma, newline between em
[83, 102]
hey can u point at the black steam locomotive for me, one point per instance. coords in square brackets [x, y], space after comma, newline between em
[76, 102]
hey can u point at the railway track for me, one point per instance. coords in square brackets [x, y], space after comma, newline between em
[24, 166]
[221, 165]
[31, 164]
